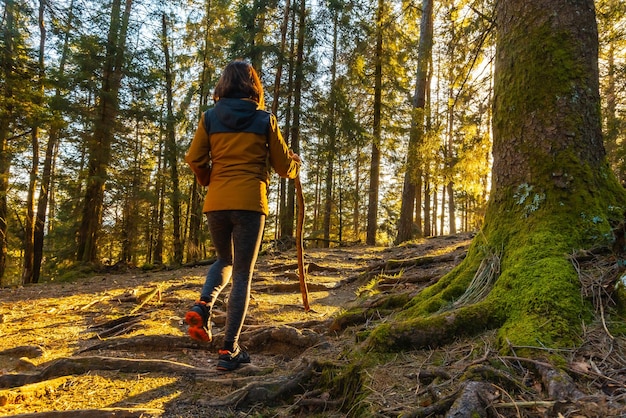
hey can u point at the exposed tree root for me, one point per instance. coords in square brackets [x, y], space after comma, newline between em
[268, 392]
[435, 331]
[371, 309]
[288, 341]
[472, 401]
[418, 261]
[80, 365]
[559, 384]
[29, 351]
[96, 413]
[149, 343]
[119, 326]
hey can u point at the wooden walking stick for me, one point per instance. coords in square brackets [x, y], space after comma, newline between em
[299, 242]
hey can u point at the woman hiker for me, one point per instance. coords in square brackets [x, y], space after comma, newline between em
[231, 151]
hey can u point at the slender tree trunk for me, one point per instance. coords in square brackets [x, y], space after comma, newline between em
[29, 222]
[611, 119]
[288, 227]
[99, 146]
[448, 177]
[275, 98]
[159, 209]
[28, 272]
[283, 215]
[372, 205]
[331, 134]
[45, 192]
[131, 212]
[427, 207]
[171, 151]
[4, 187]
[281, 56]
[451, 207]
[412, 176]
[356, 214]
[256, 34]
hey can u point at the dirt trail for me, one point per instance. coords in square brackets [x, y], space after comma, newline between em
[138, 316]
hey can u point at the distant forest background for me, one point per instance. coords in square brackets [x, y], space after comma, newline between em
[388, 102]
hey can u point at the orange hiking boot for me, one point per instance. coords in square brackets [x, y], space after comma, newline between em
[198, 320]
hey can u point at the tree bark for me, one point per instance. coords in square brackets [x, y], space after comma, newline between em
[406, 222]
[372, 205]
[99, 146]
[48, 164]
[287, 225]
[331, 152]
[171, 151]
[28, 271]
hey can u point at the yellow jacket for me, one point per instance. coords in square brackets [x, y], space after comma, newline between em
[234, 155]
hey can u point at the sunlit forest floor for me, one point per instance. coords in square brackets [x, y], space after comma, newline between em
[115, 344]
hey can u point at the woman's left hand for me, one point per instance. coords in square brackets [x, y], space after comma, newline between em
[295, 156]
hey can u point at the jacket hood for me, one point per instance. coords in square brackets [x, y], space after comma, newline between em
[236, 114]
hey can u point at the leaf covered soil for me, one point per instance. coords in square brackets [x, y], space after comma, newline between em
[115, 344]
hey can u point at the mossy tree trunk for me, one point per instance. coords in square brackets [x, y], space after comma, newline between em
[552, 192]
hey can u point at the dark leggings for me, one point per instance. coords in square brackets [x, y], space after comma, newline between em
[236, 235]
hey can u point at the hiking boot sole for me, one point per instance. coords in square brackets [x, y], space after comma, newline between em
[196, 327]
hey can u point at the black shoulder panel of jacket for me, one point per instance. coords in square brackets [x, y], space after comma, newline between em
[259, 124]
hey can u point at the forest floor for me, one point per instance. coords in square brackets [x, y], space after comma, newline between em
[115, 345]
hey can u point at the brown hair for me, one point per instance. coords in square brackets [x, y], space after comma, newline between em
[240, 80]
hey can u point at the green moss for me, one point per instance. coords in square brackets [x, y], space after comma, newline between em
[447, 289]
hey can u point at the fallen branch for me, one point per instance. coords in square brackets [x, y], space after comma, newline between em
[116, 322]
[123, 328]
[93, 302]
[145, 298]
[292, 287]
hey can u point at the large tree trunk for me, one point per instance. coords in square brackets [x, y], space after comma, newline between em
[552, 192]
[406, 223]
[100, 144]
[372, 205]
